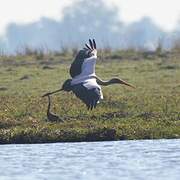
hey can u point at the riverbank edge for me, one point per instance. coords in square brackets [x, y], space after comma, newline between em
[34, 136]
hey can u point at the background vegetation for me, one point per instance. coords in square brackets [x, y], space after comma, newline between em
[150, 111]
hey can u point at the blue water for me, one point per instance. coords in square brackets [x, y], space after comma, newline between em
[121, 160]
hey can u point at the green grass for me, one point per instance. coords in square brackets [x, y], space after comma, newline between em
[151, 111]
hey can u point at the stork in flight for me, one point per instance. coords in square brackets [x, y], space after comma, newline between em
[84, 83]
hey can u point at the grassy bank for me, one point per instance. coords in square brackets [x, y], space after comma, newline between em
[151, 111]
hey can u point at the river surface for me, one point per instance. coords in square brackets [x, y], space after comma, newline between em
[115, 160]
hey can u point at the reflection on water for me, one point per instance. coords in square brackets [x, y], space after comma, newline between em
[149, 159]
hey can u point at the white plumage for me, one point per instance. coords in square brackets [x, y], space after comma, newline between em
[87, 70]
[87, 75]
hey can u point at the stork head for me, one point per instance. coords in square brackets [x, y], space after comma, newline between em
[67, 85]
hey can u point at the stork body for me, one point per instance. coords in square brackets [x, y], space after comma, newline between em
[84, 83]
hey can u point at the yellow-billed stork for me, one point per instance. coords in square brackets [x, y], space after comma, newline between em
[84, 83]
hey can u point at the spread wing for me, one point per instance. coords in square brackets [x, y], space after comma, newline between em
[81, 62]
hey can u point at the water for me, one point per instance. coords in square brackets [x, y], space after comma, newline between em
[121, 160]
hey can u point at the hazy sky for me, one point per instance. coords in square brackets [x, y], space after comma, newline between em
[164, 13]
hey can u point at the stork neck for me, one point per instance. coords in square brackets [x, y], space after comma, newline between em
[103, 83]
[112, 81]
